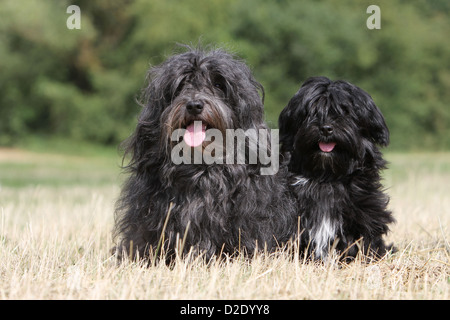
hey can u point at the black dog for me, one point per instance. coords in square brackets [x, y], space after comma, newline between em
[331, 132]
[211, 208]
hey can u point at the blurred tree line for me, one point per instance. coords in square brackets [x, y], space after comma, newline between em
[83, 84]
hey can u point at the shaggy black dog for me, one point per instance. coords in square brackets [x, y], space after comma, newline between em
[331, 132]
[209, 207]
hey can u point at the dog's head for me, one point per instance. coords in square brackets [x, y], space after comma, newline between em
[212, 87]
[195, 91]
[332, 128]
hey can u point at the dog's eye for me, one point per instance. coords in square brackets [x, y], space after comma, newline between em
[344, 109]
[219, 86]
[178, 89]
[218, 81]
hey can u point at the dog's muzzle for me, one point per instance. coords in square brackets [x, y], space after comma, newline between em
[326, 131]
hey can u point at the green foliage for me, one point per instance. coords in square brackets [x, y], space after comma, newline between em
[83, 84]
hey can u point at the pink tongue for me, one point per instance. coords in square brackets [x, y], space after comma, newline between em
[195, 134]
[327, 147]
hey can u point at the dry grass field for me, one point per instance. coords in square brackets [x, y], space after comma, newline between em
[56, 216]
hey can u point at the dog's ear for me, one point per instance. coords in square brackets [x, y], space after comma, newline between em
[147, 134]
[243, 91]
[371, 117]
[288, 123]
[251, 101]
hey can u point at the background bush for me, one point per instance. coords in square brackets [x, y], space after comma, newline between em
[82, 84]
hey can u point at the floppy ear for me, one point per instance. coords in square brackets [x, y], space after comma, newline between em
[372, 118]
[251, 112]
[146, 137]
[289, 122]
[245, 91]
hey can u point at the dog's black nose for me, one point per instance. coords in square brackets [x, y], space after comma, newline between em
[326, 130]
[194, 107]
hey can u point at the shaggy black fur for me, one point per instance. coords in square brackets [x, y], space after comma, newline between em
[223, 207]
[331, 132]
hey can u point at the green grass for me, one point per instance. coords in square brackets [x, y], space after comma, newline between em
[20, 168]
[403, 165]
[56, 217]
[57, 174]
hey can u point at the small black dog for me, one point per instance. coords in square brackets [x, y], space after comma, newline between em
[218, 207]
[330, 131]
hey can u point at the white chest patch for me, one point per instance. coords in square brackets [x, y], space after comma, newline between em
[323, 235]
